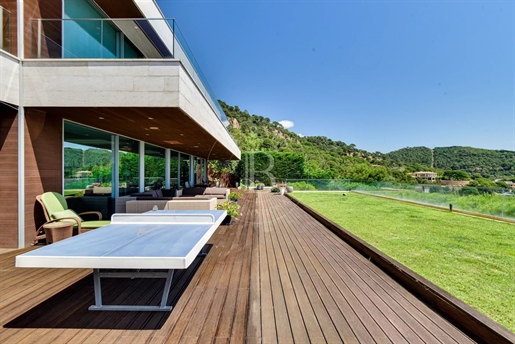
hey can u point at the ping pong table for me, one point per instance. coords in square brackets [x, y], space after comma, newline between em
[155, 240]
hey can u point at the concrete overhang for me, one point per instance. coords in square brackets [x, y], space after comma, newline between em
[126, 93]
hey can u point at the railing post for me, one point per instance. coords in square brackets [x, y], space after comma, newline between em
[1, 27]
[101, 38]
[39, 39]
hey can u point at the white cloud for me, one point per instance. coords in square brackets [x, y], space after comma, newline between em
[300, 135]
[286, 124]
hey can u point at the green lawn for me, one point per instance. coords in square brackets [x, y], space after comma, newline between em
[471, 258]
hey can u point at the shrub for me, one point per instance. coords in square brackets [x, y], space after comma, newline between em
[302, 186]
[469, 190]
[231, 207]
[269, 166]
[234, 196]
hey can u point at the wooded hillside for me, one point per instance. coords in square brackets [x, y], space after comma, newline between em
[487, 163]
[325, 158]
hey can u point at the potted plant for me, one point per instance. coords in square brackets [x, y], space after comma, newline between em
[260, 186]
[275, 189]
[282, 188]
[234, 196]
[233, 211]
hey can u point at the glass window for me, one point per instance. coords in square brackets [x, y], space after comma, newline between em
[87, 159]
[154, 167]
[89, 38]
[185, 168]
[5, 29]
[128, 166]
[199, 171]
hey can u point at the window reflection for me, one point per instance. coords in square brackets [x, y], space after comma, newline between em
[185, 169]
[154, 167]
[128, 166]
[87, 160]
[174, 170]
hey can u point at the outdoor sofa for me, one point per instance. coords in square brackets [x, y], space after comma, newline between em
[221, 194]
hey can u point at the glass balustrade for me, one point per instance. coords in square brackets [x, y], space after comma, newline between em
[5, 30]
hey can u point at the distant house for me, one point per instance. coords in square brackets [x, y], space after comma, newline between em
[430, 176]
[83, 174]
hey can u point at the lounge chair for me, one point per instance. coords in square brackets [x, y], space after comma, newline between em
[56, 209]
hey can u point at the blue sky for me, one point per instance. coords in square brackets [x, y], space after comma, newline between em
[382, 75]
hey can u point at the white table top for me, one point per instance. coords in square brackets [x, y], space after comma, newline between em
[162, 239]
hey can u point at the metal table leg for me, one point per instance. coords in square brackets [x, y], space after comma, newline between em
[98, 306]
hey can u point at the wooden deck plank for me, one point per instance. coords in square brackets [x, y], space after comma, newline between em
[277, 281]
[241, 313]
[223, 293]
[352, 292]
[253, 332]
[275, 275]
[283, 259]
[189, 295]
[414, 312]
[337, 320]
[359, 301]
[242, 252]
[340, 322]
[421, 324]
[268, 328]
[306, 274]
[186, 309]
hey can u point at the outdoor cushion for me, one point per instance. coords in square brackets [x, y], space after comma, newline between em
[65, 213]
[157, 193]
[215, 191]
[94, 224]
[53, 202]
[55, 207]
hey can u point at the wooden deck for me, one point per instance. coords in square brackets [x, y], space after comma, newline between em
[275, 275]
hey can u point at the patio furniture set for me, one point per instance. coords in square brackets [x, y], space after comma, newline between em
[143, 238]
[62, 222]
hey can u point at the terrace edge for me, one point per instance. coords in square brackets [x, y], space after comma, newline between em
[472, 322]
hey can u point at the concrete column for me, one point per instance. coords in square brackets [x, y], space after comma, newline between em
[141, 166]
[21, 130]
[115, 166]
[192, 171]
[179, 171]
[167, 168]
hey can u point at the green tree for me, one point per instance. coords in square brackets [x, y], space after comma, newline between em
[455, 175]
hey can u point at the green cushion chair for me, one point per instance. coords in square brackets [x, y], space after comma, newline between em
[56, 209]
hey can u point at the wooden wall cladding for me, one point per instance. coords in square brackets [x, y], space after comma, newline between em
[43, 169]
[9, 177]
[10, 5]
[43, 162]
[37, 9]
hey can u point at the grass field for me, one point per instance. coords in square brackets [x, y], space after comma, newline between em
[471, 258]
